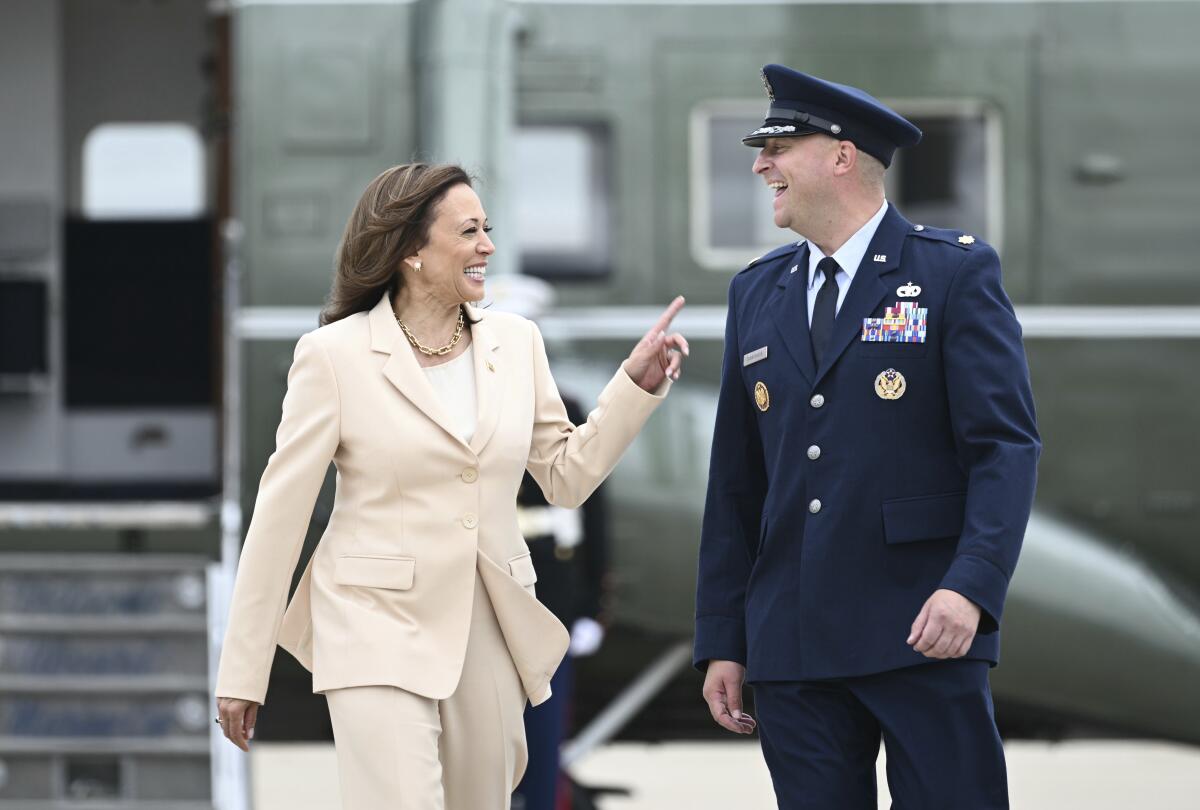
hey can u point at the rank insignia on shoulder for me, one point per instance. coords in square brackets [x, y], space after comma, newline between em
[762, 397]
[890, 384]
[966, 239]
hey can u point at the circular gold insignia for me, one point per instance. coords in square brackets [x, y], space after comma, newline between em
[762, 397]
[890, 384]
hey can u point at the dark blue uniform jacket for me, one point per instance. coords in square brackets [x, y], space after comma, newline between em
[931, 490]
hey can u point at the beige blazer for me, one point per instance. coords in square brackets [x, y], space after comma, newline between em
[386, 598]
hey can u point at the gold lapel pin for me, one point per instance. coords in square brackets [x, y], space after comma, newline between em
[762, 397]
[489, 365]
[890, 384]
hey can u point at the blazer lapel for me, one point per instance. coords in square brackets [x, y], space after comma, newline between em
[488, 379]
[401, 368]
[868, 287]
[789, 310]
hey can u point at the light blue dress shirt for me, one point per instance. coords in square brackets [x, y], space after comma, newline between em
[849, 256]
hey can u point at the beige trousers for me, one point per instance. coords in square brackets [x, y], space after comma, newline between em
[400, 751]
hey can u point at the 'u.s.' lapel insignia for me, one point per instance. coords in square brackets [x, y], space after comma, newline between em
[762, 398]
[890, 384]
[908, 290]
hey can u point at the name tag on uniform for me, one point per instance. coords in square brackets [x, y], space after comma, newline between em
[753, 357]
[904, 323]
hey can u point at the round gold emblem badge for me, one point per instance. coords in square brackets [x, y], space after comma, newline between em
[890, 384]
[761, 396]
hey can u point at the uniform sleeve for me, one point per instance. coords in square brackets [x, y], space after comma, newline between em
[995, 432]
[737, 486]
[570, 461]
[304, 445]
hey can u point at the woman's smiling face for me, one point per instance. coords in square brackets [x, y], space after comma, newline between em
[454, 260]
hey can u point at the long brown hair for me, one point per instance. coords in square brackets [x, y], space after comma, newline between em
[390, 221]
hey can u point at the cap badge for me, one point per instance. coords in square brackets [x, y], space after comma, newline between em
[767, 86]
[966, 239]
[762, 398]
[909, 290]
[890, 384]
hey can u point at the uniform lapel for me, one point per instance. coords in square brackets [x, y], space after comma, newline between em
[868, 287]
[487, 379]
[789, 310]
[401, 368]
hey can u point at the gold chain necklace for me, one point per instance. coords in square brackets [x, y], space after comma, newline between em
[444, 350]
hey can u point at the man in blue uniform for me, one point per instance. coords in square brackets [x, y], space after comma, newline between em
[872, 474]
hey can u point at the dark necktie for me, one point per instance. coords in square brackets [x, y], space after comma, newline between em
[825, 309]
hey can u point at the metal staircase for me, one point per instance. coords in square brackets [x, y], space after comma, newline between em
[104, 672]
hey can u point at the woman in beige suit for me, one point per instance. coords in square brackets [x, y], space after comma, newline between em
[416, 614]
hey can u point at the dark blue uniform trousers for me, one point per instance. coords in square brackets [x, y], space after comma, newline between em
[821, 739]
[545, 727]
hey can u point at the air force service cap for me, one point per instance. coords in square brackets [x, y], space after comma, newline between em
[802, 104]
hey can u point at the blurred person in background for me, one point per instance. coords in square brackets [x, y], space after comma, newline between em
[569, 548]
[872, 474]
[417, 614]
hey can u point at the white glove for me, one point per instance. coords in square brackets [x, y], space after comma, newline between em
[586, 637]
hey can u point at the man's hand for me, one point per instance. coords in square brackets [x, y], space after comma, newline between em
[946, 625]
[723, 693]
[587, 635]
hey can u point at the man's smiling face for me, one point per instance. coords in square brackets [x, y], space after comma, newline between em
[797, 170]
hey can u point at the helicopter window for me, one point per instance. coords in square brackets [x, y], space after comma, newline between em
[952, 179]
[143, 171]
[562, 216]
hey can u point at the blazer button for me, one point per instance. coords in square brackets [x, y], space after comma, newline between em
[470, 521]
[817, 401]
[470, 475]
[814, 506]
[814, 453]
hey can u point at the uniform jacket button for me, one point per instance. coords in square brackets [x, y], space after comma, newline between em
[817, 400]
[814, 506]
[814, 453]
[470, 475]
[470, 520]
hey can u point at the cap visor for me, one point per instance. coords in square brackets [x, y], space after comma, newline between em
[758, 138]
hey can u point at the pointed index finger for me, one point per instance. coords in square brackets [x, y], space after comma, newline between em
[664, 320]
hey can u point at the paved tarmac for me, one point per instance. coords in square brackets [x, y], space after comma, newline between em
[1083, 775]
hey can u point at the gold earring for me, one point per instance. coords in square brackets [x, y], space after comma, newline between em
[417, 266]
